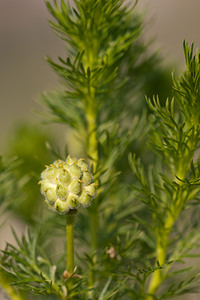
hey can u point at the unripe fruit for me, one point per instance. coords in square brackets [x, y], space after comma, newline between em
[91, 189]
[61, 192]
[85, 199]
[64, 177]
[87, 177]
[82, 164]
[73, 201]
[75, 187]
[67, 185]
[51, 195]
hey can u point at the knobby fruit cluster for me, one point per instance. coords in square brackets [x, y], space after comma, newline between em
[67, 185]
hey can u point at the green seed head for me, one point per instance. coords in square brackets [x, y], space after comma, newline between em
[67, 185]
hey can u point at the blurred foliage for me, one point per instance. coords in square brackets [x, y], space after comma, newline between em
[9, 186]
[28, 143]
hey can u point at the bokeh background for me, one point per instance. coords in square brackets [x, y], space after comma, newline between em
[25, 39]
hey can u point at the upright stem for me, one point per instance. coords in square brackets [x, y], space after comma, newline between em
[90, 59]
[163, 236]
[161, 249]
[93, 213]
[157, 276]
[92, 145]
[70, 242]
[92, 148]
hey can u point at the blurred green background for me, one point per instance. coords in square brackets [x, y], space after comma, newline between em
[25, 38]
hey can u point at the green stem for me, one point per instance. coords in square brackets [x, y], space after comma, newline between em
[92, 145]
[163, 237]
[161, 249]
[93, 212]
[91, 58]
[94, 229]
[157, 276]
[94, 243]
[70, 242]
[92, 150]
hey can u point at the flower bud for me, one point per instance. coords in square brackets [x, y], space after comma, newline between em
[66, 185]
